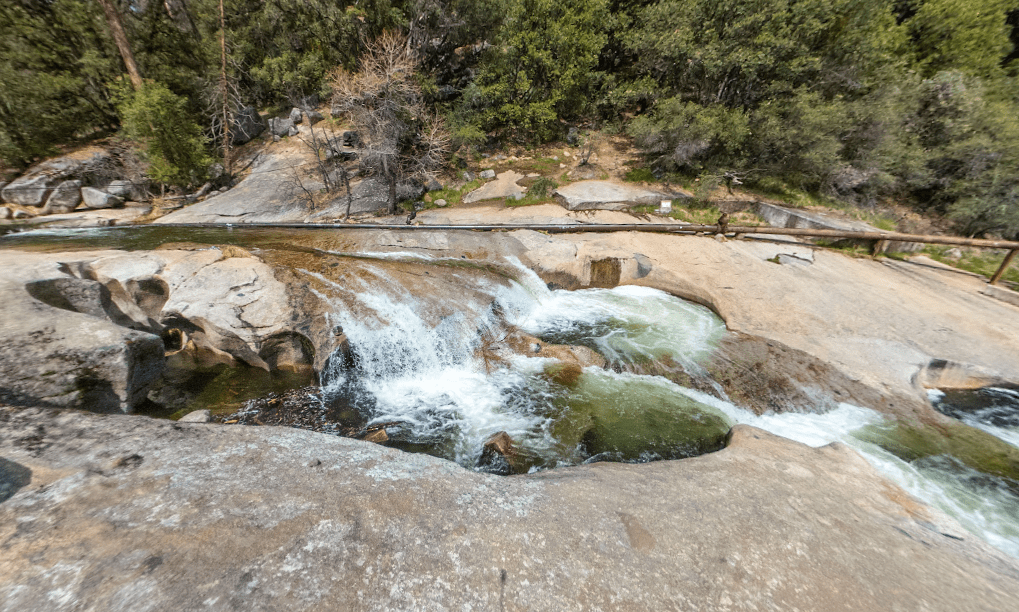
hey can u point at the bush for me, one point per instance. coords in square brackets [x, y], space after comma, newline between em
[541, 68]
[684, 135]
[54, 76]
[172, 142]
[542, 187]
[640, 175]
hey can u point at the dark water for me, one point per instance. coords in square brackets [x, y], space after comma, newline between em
[995, 406]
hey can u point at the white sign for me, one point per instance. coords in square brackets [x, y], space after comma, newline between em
[666, 207]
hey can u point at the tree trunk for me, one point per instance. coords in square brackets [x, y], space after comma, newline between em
[392, 194]
[346, 185]
[120, 38]
[391, 177]
[223, 91]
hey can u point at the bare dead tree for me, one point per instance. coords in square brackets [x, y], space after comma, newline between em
[398, 138]
[330, 161]
[223, 106]
[586, 150]
[293, 187]
[223, 90]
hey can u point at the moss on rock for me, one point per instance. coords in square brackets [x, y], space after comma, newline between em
[912, 440]
[640, 419]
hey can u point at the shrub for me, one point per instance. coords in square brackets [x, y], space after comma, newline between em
[541, 68]
[172, 142]
[542, 187]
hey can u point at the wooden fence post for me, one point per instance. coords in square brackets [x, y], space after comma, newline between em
[1004, 266]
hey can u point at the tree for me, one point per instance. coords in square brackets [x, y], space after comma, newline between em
[288, 47]
[172, 143]
[768, 84]
[971, 142]
[971, 36]
[539, 69]
[398, 138]
[449, 38]
[56, 67]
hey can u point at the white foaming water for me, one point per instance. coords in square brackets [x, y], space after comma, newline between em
[430, 378]
[983, 505]
[1010, 432]
[626, 323]
[1010, 435]
[999, 416]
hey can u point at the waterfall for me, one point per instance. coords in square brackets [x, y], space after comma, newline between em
[425, 372]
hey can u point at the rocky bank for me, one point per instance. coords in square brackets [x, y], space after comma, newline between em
[133, 513]
[136, 514]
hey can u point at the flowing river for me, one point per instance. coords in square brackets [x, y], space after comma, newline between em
[444, 384]
[434, 382]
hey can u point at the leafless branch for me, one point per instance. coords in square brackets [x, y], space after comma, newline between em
[398, 139]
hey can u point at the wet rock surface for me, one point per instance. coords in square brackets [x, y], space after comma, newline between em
[103, 330]
[769, 376]
[131, 513]
[300, 408]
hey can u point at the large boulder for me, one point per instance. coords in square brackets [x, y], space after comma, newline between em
[59, 349]
[282, 126]
[780, 216]
[603, 195]
[29, 190]
[34, 187]
[64, 198]
[503, 187]
[94, 198]
[247, 124]
[133, 513]
[351, 139]
[433, 184]
[370, 195]
[126, 190]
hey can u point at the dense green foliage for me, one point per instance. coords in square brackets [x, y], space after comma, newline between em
[56, 63]
[539, 69]
[915, 100]
[172, 142]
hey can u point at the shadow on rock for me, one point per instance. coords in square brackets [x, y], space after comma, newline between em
[13, 476]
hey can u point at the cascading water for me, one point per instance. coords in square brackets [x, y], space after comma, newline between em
[433, 379]
[428, 375]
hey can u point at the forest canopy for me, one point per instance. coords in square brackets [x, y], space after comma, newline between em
[861, 100]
